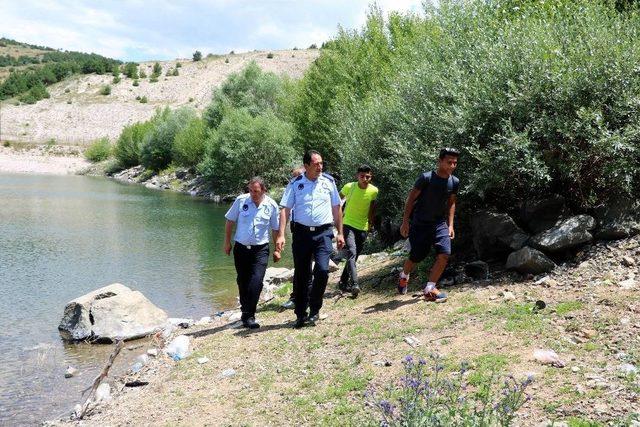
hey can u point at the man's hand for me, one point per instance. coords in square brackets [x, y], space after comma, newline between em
[452, 233]
[404, 229]
[276, 256]
[340, 241]
[280, 243]
[227, 248]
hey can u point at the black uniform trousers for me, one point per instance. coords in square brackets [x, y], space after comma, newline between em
[292, 227]
[354, 242]
[311, 245]
[251, 264]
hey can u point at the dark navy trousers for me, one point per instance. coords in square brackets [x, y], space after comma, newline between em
[251, 264]
[311, 245]
[354, 242]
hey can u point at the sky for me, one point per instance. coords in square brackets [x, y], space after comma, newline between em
[136, 30]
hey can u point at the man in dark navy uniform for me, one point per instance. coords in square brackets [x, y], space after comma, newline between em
[316, 201]
[431, 206]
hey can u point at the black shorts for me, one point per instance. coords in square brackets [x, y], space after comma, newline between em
[423, 236]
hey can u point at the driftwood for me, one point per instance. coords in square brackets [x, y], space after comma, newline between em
[99, 378]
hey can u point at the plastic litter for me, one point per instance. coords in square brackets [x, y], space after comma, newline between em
[178, 349]
[103, 393]
[203, 360]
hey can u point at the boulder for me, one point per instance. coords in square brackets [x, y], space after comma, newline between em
[110, 313]
[541, 215]
[569, 233]
[496, 234]
[618, 220]
[528, 260]
[277, 275]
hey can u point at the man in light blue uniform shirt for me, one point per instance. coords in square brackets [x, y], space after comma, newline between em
[255, 215]
[316, 201]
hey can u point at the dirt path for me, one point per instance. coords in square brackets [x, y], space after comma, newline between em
[319, 375]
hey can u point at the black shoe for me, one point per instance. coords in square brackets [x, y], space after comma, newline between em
[300, 322]
[313, 318]
[343, 287]
[355, 290]
[251, 323]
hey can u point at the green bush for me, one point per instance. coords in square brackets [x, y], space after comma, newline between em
[153, 79]
[269, 55]
[197, 55]
[131, 70]
[105, 90]
[144, 100]
[143, 75]
[6, 144]
[244, 146]
[175, 72]
[136, 82]
[157, 147]
[35, 94]
[127, 148]
[251, 89]
[116, 80]
[157, 69]
[99, 150]
[188, 148]
[178, 64]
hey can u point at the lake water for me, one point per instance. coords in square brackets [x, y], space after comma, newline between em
[64, 236]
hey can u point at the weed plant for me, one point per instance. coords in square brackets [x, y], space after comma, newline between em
[428, 395]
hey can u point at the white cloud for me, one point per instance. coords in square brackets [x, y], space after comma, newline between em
[164, 29]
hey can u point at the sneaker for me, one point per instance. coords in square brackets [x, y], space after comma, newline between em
[313, 318]
[250, 323]
[403, 283]
[289, 304]
[436, 297]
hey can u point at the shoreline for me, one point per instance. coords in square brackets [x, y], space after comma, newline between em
[42, 160]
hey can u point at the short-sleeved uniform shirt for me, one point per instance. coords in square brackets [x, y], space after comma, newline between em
[312, 200]
[356, 213]
[253, 223]
[431, 205]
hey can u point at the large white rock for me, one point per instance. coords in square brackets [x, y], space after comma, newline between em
[110, 313]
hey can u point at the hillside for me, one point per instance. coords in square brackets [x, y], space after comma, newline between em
[15, 50]
[77, 113]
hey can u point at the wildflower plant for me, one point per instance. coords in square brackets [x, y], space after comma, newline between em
[429, 395]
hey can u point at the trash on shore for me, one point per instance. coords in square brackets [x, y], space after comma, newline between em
[412, 341]
[178, 349]
[70, 372]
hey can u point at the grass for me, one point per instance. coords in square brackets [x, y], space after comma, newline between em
[567, 307]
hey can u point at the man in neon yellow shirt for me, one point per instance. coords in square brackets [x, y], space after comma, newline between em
[359, 211]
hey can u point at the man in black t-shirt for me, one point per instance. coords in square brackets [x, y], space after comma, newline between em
[428, 221]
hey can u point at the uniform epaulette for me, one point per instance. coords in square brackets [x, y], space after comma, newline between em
[297, 178]
[332, 179]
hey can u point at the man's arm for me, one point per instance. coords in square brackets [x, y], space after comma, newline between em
[276, 252]
[372, 213]
[337, 220]
[227, 236]
[452, 210]
[408, 207]
[284, 218]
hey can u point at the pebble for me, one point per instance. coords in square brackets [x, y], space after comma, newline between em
[575, 369]
[547, 282]
[235, 317]
[508, 296]
[203, 360]
[103, 393]
[628, 284]
[228, 373]
[152, 352]
[323, 316]
[70, 372]
[412, 341]
[628, 368]
[628, 261]
[204, 321]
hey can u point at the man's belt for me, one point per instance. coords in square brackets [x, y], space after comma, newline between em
[314, 228]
